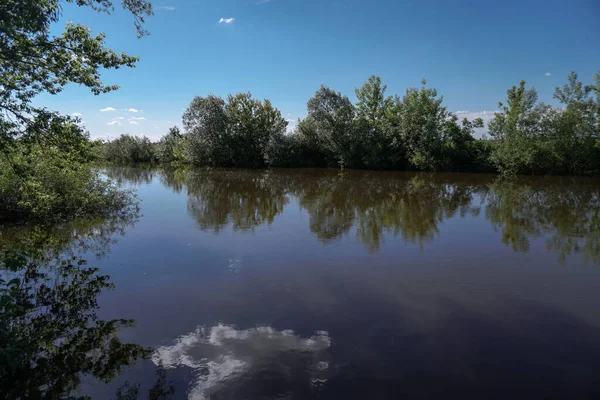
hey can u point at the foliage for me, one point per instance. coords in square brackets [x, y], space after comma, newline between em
[242, 132]
[127, 149]
[44, 158]
[332, 116]
[45, 176]
[380, 131]
[32, 60]
[535, 138]
[170, 148]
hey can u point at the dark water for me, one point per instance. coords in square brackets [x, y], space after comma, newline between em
[313, 284]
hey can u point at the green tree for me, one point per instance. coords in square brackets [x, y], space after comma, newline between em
[44, 171]
[333, 117]
[377, 117]
[575, 130]
[422, 122]
[254, 130]
[373, 104]
[520, 130]
[170, 147]
[32, 60]
[461, 150]
[128, 149]
[205, 123]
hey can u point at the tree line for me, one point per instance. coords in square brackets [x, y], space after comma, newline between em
[381, 131]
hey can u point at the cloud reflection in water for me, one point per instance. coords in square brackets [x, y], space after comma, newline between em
[258, 362]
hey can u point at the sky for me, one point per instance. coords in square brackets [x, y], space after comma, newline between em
[284, 50]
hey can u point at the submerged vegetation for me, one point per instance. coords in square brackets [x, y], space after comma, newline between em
[380, 131]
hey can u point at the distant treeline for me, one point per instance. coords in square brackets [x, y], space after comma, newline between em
[413, 132]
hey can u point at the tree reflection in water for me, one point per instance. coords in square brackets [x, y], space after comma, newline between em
[564, 212]
[51, 336]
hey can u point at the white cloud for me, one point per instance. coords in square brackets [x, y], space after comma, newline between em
[107, 109]
[226, 20]
[76, 114]
[133, 110]
[112, 123]
[485, 115]
[166, 8]
[137, 118]
[548, 74]
[133, 122]
[260, 2]
[220, 355]
[118, 118]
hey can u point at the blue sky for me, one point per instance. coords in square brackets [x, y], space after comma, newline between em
[283, 50]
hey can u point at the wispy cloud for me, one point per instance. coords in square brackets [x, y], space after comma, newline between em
[166, 8]
[107, 109]
[475, 114]
[226, 20]
[112, 123]
[133, 110]
[261, 2]
[118, 118]
[133, 122]
[485, 115]
[137, 118]
[548, 74]
[76, 114]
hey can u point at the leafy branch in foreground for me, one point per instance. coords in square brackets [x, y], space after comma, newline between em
[44, 157]
[33, 61]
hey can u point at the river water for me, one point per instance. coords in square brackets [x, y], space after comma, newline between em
[326, 284]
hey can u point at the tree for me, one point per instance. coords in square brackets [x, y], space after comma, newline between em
[521, 132]
[242, 132]
[254, 130]
[170, 147]
[127, 149]
[421, 124]
[32, 60]
[461, 151]
[333, 118]
[575, 130]
[205, 123]
[373, 105]
[44, 171]
[376, 119]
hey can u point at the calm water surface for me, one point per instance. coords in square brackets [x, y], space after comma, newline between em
[314, 284]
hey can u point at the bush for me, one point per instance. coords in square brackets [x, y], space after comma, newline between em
[50, 179]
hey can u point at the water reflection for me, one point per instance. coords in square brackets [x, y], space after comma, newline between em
[242, 199]
[139, 175]
[411, 207]
[50, 333]
[252, 363]
[562, 211]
